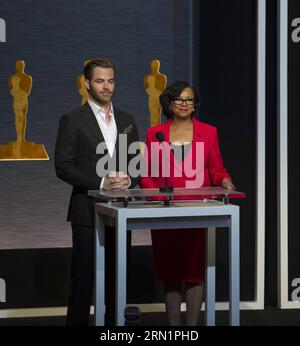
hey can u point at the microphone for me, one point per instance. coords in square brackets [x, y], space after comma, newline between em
[167, 189]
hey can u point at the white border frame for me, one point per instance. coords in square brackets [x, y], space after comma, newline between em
[261, 157]
[258, 303]
[282, 159]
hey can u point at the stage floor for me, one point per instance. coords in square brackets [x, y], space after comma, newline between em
[271, 316]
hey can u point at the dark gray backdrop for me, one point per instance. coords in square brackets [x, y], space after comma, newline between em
[55, 38]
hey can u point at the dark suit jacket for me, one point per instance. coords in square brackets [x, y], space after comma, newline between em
[76, 158]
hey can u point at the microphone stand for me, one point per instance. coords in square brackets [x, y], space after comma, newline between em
[166, 189]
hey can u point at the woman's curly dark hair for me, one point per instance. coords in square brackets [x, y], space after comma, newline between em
[172, 92]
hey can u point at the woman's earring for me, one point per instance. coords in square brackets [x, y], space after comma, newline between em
[193, 109]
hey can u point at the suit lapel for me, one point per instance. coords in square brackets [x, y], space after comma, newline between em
[121, 125]
[119, 130]
[199, 136]
[91, 121]
[118, 125]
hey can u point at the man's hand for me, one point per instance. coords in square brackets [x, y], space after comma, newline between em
[227, 184]
[116, 181]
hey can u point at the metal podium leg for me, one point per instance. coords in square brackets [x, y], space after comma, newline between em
[99, 270]
[234, 269]
[210, 277]
[121, 257]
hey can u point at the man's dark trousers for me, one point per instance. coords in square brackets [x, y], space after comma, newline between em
[82, 275]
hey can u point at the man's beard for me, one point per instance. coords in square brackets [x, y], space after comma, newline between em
[98, 98]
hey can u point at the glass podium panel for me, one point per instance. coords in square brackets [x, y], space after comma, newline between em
[177, 193]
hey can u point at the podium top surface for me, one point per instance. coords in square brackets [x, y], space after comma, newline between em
[201, 193]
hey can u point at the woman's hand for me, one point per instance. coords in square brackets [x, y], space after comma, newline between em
[227, 184]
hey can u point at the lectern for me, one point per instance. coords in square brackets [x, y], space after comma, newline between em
[147, 209]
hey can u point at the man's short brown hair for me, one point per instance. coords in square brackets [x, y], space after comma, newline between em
[89, 67]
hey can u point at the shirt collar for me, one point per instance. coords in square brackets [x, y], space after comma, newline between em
[99, 110]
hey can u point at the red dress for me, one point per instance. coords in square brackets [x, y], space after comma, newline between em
[179, 255]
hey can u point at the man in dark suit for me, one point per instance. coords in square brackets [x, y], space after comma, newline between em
[80, 132]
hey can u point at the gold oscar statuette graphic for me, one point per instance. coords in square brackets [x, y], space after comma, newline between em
[20, 85]
[83, 92]
[155, 83]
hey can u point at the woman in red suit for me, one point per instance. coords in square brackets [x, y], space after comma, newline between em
[179, 254]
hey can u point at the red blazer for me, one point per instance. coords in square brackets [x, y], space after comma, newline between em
[214, 171]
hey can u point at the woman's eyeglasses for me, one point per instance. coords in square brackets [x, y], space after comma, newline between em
[179, 101]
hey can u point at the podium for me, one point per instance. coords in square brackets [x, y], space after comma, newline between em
[147, 209]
